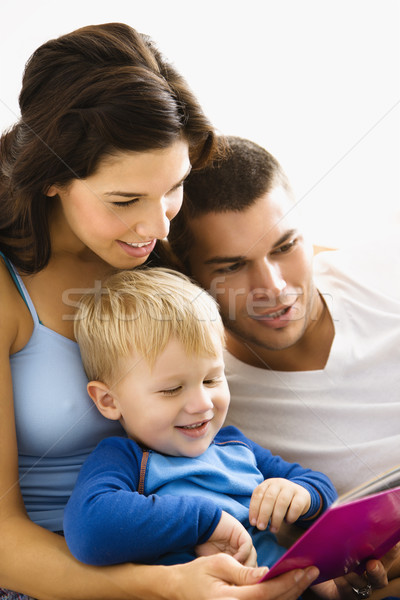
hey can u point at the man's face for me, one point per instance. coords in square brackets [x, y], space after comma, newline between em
[257, 266]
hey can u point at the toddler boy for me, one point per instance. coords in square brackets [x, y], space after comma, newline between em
[179, 485]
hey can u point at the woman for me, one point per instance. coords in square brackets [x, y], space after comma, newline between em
[90, 178]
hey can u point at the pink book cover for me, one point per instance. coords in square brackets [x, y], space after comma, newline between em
[345, 536]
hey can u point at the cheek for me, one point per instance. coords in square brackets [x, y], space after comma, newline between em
[93, 218]
[161, 414]
[223, 398]
[297, 274]
[175, 205]
[229, 293]
[235, 301]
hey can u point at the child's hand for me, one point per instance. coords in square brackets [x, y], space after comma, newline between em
[230, 537]
[277, 499]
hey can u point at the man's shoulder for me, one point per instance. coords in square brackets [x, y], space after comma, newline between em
[373, 265]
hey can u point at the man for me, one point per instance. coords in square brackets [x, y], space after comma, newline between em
[313, 348]
[313, 344]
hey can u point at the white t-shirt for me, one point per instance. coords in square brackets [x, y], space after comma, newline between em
[343, 420]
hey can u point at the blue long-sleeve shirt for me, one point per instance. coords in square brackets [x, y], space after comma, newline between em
[136, 505]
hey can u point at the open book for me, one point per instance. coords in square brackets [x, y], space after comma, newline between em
[362, 524]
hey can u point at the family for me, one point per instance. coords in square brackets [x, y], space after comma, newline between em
[118, 475]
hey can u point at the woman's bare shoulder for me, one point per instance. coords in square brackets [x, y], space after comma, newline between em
[15, 320]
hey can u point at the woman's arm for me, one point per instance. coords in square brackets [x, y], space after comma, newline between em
[42, 567]
[33, 560]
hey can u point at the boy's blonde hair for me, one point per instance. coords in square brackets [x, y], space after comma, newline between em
[140, 311]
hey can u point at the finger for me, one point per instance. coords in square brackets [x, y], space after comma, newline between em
[390, 557]
[347, 584]
[376, 573]
[280, 495]
[235, 573]
[286, 587]
[280, 509]
[265, 509]
[297, 507]
[251, 560]
[265, 514]
[255, 503]
[244, 551]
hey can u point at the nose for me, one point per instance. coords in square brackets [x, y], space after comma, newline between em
[156, 219]
[268, 280]
[199, 401]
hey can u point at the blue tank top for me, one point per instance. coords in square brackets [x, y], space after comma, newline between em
[57, 423]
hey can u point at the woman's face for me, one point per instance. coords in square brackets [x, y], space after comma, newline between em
[120, 211]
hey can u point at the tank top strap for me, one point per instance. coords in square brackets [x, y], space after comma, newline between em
[21, 288]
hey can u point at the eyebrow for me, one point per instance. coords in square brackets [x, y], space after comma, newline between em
[233, 259]
[140, 195]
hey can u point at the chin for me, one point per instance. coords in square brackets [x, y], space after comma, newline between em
[128, 263]
[281, 344]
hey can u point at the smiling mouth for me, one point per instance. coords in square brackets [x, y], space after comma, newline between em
[274, 315]
[194, 426]
[137, 249]
[139, 244]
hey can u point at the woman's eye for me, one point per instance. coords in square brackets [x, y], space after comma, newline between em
[125, 204]
[177, 188]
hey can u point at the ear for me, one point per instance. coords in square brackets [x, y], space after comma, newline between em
[104, 400]
[52, 191]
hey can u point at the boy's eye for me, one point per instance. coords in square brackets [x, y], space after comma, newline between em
[172, 391]
[213, 381]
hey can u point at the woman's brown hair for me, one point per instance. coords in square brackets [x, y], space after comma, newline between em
[92, 92]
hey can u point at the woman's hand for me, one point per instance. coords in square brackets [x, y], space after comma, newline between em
[221, 577]
[230, 537]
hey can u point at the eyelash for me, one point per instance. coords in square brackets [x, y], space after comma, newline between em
[134, 200]
[286, 247]
[213, 381]
[126, 204]
[230, 269]
[281, 250]
[174, 391]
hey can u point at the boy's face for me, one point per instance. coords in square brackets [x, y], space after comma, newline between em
[179, 405]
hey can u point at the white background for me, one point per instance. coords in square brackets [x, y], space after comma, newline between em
[316, 82]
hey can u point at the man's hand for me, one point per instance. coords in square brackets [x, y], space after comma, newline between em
[377, 574]
[230, 537]
[277, 499]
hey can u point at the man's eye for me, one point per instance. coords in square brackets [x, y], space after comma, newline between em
[230, 268]
[285, 247]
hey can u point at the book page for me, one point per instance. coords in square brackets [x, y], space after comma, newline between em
[386, 480]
